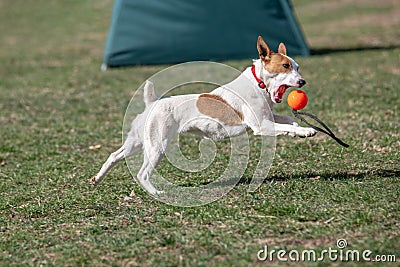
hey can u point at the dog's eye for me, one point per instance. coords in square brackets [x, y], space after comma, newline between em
[286, 66]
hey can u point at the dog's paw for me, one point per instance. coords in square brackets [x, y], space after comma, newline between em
[128, 199]
[94, 181]
[154, 192]
[158, 193]
[305, 132]
[131, 197]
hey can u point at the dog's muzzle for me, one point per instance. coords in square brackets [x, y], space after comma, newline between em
[301, 83]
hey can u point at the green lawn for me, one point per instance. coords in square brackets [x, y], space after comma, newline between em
[55, 105]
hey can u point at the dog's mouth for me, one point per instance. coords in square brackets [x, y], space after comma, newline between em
[278, 94]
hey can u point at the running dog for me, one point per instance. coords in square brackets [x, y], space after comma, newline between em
[227, 111]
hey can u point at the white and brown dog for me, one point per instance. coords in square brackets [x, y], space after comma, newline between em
[227, 111]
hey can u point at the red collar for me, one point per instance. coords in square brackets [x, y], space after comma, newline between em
[261, 84]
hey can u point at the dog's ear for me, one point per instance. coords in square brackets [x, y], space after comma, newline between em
[282, 49]
[263, 49]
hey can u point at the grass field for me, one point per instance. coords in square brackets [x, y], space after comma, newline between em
[61, 117]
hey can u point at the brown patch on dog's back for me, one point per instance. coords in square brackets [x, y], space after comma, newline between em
[275, 64]
[216, 107]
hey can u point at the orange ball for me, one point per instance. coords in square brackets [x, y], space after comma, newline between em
[297, 99]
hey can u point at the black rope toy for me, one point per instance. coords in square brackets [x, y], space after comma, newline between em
[298, 100]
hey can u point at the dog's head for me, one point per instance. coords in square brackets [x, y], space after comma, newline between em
[279, 72]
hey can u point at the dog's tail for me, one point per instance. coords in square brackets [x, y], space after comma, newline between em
[149, 96]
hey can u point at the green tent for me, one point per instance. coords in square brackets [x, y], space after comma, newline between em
[173, 31]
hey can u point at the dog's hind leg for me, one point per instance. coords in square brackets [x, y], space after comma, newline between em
[110, 162]
[127, 149]
[150, 162]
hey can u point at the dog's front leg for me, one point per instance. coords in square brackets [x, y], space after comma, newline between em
[293, 130]
[270, 128]
[284, 120]
[284, 125]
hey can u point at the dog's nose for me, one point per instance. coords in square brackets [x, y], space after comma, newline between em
[301, 82]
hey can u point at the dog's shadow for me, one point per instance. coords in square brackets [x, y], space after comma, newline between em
[327, 176]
